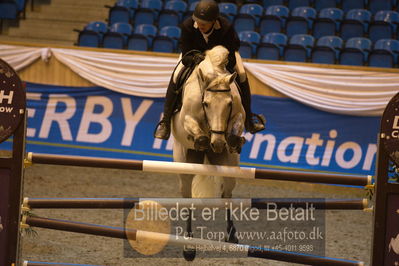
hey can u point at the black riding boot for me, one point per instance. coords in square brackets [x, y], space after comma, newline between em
[253, 122]
[162, 131]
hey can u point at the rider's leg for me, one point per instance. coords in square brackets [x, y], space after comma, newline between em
[253, 123]
[162, 130]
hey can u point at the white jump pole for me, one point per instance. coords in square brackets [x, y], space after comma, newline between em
[205, 169]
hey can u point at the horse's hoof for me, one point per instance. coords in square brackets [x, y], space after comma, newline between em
[201, 143]
[231, 235]
[189, 254]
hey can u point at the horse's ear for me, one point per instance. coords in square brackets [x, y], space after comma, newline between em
[231, 78]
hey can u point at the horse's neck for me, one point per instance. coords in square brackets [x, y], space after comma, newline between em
[192, 94]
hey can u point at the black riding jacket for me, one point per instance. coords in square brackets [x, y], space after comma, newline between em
[192, 39]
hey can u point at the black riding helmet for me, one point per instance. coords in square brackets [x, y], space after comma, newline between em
[206, 10]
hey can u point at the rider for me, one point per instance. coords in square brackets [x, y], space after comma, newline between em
[203, 31]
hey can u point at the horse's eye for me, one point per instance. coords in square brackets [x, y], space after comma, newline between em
[205, 104]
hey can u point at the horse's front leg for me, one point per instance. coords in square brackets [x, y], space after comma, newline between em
[189, 252]
[193, 128]
[229, 184]
[235, 129]
[181, 154]
[231, 229]
[231, 159]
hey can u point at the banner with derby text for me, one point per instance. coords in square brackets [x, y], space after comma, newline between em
[94, 121]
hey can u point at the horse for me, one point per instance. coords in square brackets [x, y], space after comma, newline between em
[207, 130]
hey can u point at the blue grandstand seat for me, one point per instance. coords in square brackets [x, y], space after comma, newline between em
[249, 42]
[327, 22]
[384, 25]
[142, 37]
[274, 19]
[97, 26]
[132, 5]
[119, 14]
[321, 4]
[356, 52]
[179, 6]
[299, 48]
[326, 50]
[385, 53]
[172, 14]
[189, 2]
[377, 5]
[267, 3]
[347, 5]
[300, 21]
[167, 40]
[228, 10]
[163, 44]
[92, 34]
[292, 4]
[250, 2]
[148, 12]
[8, 9]
[248, 17]
[272, 46]
[116, 37]
[355, 24]
[190, 10]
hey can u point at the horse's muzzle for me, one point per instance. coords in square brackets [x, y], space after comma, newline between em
[218, 145]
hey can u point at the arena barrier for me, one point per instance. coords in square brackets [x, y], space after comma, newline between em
[129, 203]
[191, 168]
[174, 240]
[13, 124]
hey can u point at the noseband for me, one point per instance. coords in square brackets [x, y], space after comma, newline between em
[220, 132]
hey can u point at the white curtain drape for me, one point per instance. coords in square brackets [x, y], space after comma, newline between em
[343, 91]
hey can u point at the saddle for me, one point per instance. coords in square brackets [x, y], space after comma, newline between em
[190, 60]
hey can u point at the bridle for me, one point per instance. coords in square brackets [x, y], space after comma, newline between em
[220, 132]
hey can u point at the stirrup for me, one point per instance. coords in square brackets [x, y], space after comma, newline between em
[162, 130]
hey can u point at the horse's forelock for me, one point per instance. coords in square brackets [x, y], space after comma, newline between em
[213, 68]
[218, 56]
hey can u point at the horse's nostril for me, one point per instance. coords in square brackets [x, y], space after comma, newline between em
[218, 146]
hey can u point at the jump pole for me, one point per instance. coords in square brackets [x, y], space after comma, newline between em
[137, 235]
[192, 168]
[38, 263]
[128, 203]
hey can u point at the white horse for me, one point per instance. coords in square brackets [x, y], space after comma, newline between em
[208, 130]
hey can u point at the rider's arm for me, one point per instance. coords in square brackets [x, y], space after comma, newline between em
[186, 38]
[232, 43]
